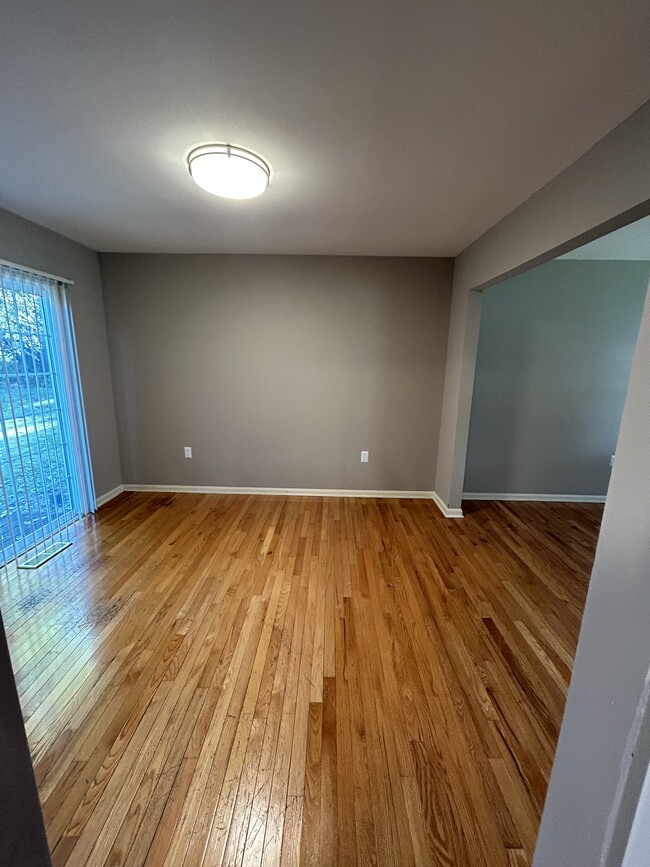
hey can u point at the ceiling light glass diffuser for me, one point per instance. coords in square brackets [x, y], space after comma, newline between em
[227, 171]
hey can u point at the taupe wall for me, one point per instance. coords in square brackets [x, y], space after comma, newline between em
[26, 243]
[554, 358]
[278, 370]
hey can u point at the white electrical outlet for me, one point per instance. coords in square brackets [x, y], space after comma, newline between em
[188, 451]
[611, 460]
[364, 457]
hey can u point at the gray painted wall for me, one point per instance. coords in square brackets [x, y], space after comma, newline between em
[606, 188]
[26, 243]
[554, 357]
[278, 370]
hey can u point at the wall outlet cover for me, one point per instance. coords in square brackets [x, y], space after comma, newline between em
[188, 451]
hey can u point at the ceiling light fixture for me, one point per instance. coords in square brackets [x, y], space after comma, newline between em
[227, 171]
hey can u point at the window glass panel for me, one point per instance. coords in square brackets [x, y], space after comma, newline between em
[37, 462]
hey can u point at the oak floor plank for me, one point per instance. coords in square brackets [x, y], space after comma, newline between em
[242, 680]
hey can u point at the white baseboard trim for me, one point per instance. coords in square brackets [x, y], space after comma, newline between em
[444, 508]
[275, 492]
[110, 495]
[541, 498]
[342, 492]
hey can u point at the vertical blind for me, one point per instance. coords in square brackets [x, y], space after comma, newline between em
[45, 471]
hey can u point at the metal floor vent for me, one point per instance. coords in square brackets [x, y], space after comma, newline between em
[44, 555]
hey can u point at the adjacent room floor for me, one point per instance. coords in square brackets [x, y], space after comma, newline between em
[266, 680]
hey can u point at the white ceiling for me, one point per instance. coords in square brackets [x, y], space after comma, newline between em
[630, 242]
[396, 128]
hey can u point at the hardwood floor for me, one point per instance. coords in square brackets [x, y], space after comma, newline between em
[261, 680]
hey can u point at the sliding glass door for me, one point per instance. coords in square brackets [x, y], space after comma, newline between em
[44, 466]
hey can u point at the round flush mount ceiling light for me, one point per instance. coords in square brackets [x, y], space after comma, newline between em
[227, 171]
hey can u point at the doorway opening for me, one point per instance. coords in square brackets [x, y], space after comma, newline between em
[555, 352]
[551, 382]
